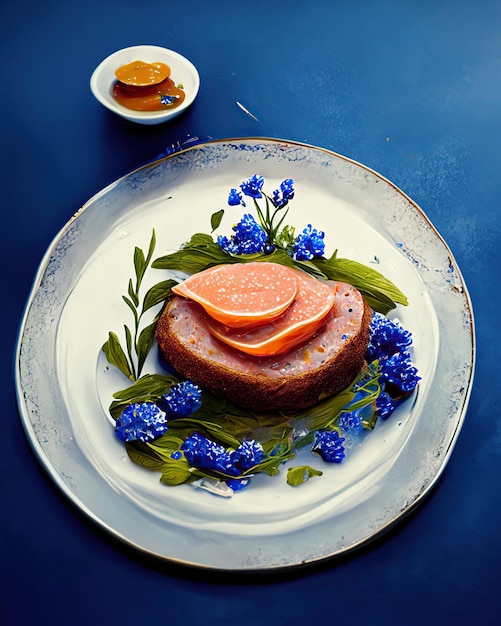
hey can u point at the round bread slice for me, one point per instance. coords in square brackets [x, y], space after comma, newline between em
[319, 367]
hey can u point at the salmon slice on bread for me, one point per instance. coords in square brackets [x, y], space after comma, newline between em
[298, 378]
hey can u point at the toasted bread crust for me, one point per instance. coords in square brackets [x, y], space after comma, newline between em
[255, 389]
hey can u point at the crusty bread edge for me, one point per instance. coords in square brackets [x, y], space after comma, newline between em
[260, 393]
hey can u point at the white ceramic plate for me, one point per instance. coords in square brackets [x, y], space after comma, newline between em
[64, 384]
[182, 72]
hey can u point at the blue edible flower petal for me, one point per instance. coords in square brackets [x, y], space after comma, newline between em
[309, 244]
[237, 484]
[249, 237]
[329, 445]
[385, 405]
[183, 399]
[398, 370]
[248, 454]
[235, 198]
[287, 187]
[144, 421]
[202, 452]
[286, 193]
[208, 455]
[351, 421]
[386, 338]
[253, 186]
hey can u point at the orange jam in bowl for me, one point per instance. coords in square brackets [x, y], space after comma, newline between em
[141, 74]
[144, 86]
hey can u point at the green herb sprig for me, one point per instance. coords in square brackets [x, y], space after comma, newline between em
[138, 341]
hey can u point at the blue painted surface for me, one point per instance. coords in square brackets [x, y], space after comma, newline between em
[410, 88]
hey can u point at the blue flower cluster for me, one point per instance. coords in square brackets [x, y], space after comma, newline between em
[143, 420]
[389, 343]
[329, 445]
[208, 455]
[308, 245]
[249, 237]
[183, 399]
[386, 338]
[147, 421]
[351, 421]
[398, 371]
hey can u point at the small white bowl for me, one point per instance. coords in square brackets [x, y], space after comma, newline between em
[183, 72]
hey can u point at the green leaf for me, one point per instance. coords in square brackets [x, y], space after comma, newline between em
[149, 387]
[215, 219]
[139, 266]
[116, 356]
[165, 445]
[131, 306]
[132, 293]
[158, 293]
[285, 239]
[128, 343]
[381, 294]
[151, 248]
[144, 344]
[198, 254]
[299, 475]
[176, 473]
[139, 453]
[154, 385]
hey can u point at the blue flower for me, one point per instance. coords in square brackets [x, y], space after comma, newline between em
[183, 399]
[235, 198]
[385, 405]
[398, 371]
[166, 100]
[205, 454]
[351, 421]
[208, 455]
[329, 445]
[143, 420]
[387, 337]
[308, 245]
[253, 186]
[249, 237]
[248, 454]
[286, 193]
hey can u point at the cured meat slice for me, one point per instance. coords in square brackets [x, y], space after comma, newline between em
[242, 294]
[314, 299]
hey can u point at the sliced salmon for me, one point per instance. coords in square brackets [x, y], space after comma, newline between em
[242, 294]
[306, 314]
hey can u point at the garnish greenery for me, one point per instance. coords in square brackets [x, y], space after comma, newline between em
[228, 424]
[202, 252]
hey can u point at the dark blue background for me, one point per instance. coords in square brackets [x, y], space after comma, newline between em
[411, 88]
